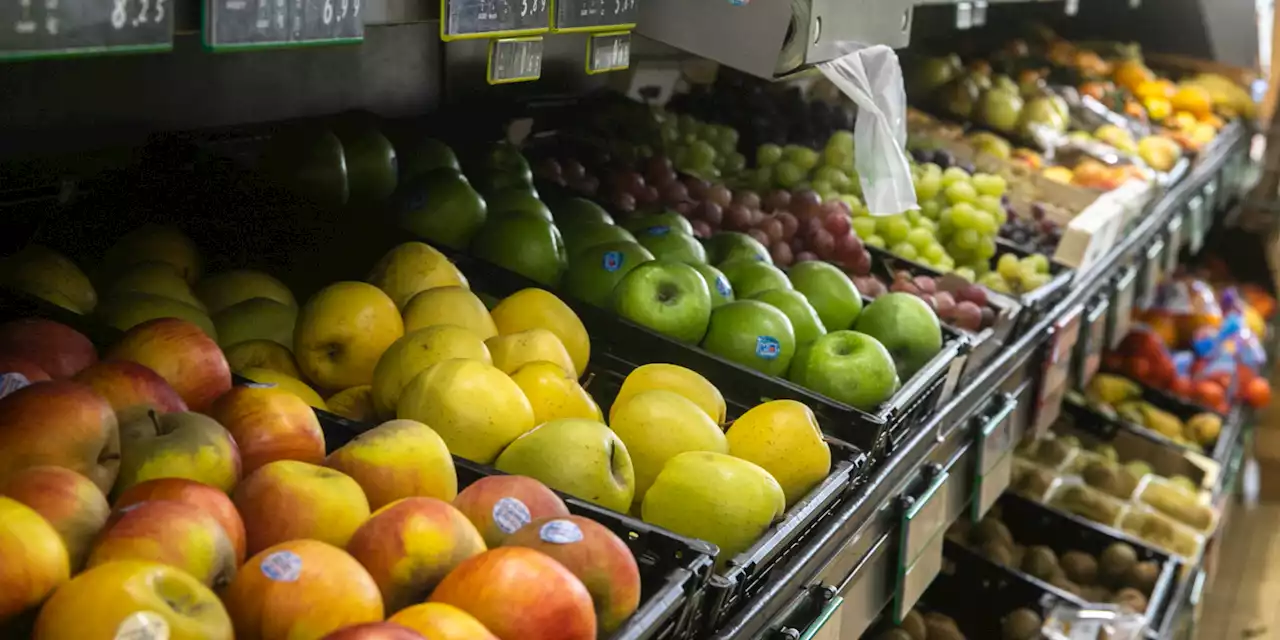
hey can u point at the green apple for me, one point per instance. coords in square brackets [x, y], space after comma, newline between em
[596, 271]
[721, 290]
[669, 243]
[804, 320]
[570, 211]
[598, 470]
[750, 277]
[667, 219]
[668, 297]
[256, 319]
[847, 366]
[830, 291]
[524, 243]
[502, 168]
[372, 170]
[753, 334]
[309, 161]
[517, 200]
[440, 206]
[906, 326]
[418, 155]
[731, 245]
[579, 236]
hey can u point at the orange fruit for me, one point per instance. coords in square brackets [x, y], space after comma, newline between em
[1130, 74]
[1194, 100]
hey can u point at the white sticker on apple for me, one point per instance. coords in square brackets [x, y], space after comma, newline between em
[260, 385]
[11, 382]
[510, 514]
[560, 532]
[143, 625]
[767, 347]
[282, 566]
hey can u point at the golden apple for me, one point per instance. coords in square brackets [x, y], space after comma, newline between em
[538, 309]
[156, 278]
[783, 437]
[656, 426]
[398, 459]
[514, 350]
[269, 424]
[599, 470]
[221, 290]
[51, 276]
[129, 309]
[341, 333]
[413, 267]
[70, 502]
[413, 354]
[355, 403]
[155, 243]
[256, 319]
[553, 394]
[449, 305]
[439, 621]
[262, 354]
[35, 560]
[288, 384]
[477, 409]
[683, 381]
[290, 500]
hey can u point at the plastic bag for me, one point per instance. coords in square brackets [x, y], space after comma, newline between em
[872, 78]
[1094, 622]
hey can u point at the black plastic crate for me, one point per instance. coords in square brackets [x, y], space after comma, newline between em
[1105, 424]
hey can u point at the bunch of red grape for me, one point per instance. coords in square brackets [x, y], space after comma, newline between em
[957, 303]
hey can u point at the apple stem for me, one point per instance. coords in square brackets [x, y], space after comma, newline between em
[155, 421]
[587, 383]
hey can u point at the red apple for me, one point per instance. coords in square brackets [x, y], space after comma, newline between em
[300, 589]
[208, 498]
[169, 532]
[59, 423]
[182, 354]
[398, 459]
[290, 500]
[499, 505]
[600, 559]
[375, 631]
[424, 533]
[270, 424]
[72, 503]
[182, 444]
[520, 594]
[29, 370]
[131, 387]
[56, 348]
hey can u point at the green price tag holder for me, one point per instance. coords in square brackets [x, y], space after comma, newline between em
[995, 458]
[1176, 239]
[828, 610]
[1197, 214]
[920, 538]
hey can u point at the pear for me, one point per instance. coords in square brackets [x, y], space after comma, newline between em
[256, 319]
[157, 278]
[657, 425]
[580, 457]
[49, 275]
[449, 305]
[514, 350]
[412, 267]
[413, 353]
[715, 497]
[476, 408]
[553, 394]
[685, 382]
[221, 290]
[782, 436]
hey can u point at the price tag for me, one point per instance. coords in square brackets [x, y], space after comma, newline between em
[232, 25]
[920, 541]
[1120, 317]
[58, 28]
[980, 13]
[964, 16]
[608, 52]
[464, 19]
[1175, 244]
[1071, 7]
[514, 60]
[1199, 223]
[1094, 341]
[593, 15]
[1152, 274]
[1057, 363]
[995, 464]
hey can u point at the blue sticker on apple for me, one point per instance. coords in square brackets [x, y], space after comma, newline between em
[767, 347]
[612, 261]
[657, 231]
[722, 287]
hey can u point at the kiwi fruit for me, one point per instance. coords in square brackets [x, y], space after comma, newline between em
[1142, 576]
[1021, 624]
[1062, 582]
[1052, 452]
[991, 529]
[1107, 451]
[940, 626]
[998, 552]
[1131, 599]
[1115, 562]
[1041, 562]
[1103, 476]
[1034, 483]
[895, 634]
[1095, 593]
[913, 624]
[1080, 567]
[1138, 468]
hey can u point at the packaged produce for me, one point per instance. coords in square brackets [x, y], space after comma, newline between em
[1095, 622]
[1175, 501]
[1162, 532]
[1030, 479]
[1087, 502]
[1053, 453]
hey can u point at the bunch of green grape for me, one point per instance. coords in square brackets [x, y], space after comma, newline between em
[708, 151]
[1017, 276]
[829, 172]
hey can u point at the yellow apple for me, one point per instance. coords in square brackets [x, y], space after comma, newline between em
[412, 267]
[656, 426]
[221, 290]
[341, 333]
[262, 354]
[256, 319]
[514, 350]
[35, 560]
[539, 309]
[286, 383]
[180, 444]
[440, 621]
[128, 309]
[398, 459]
[134, 599]
[553, 394]
[477, 409]
[598, 471]
[683, 381]
[72, 504]
[449, 305]
[355, 403]
[290, 500]
[413, 353]
[170, 532]
[783, 437]
[51, 276]
[157, 278]
[155, 243]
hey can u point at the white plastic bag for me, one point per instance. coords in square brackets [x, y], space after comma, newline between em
[872, 78]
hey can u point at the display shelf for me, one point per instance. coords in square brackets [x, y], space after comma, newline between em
[854, 557]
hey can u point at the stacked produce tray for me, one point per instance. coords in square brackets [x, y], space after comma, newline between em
[1105, 424]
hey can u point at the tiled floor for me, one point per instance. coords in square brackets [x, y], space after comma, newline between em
[1244, 600]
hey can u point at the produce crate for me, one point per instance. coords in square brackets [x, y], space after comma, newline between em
[1105, 425]
[1034, 524]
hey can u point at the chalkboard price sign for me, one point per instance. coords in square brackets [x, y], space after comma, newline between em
[514, 60]
[254, 24]
[594, 15]
[57, 28]
[608, 52]
[465, 19]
